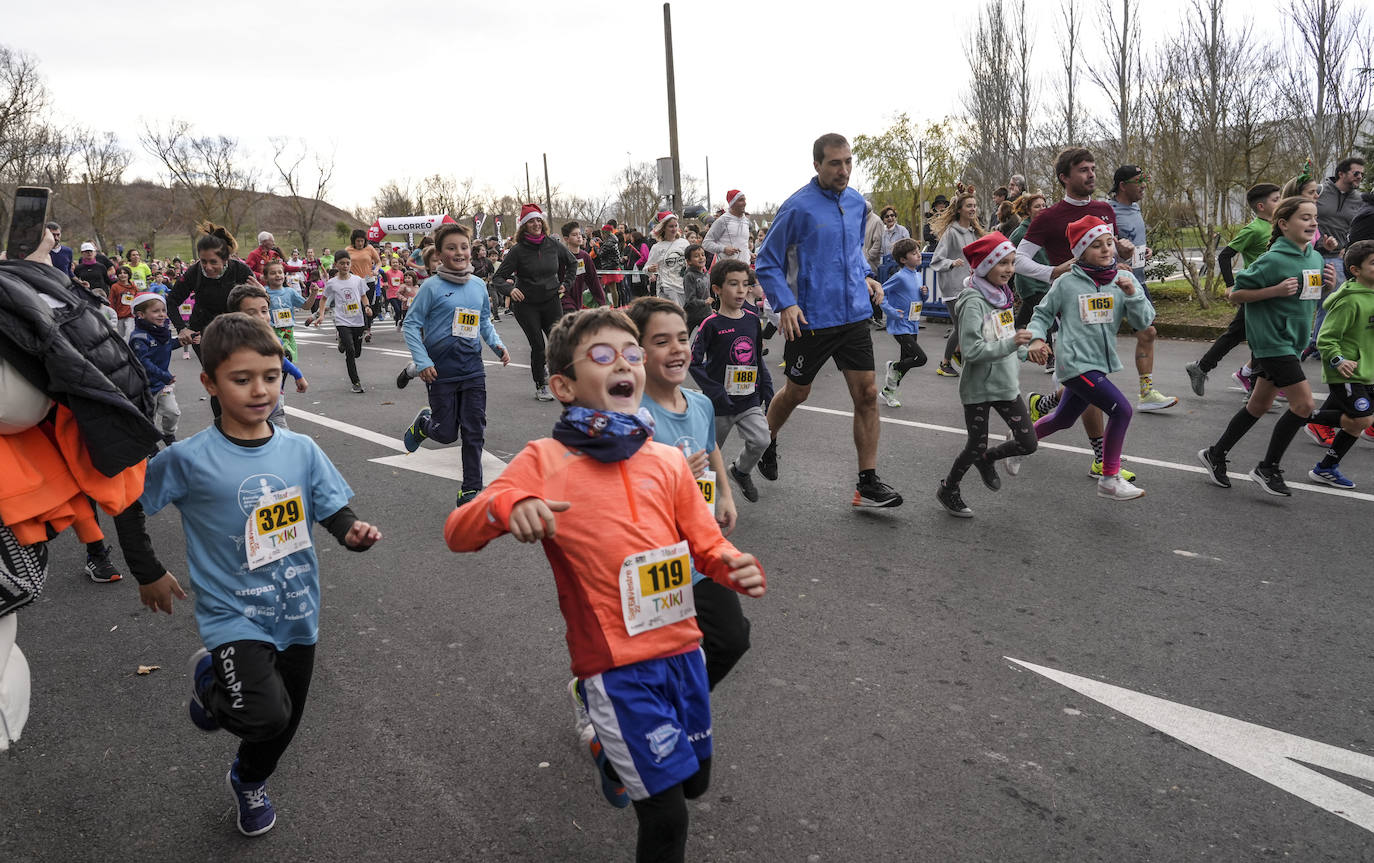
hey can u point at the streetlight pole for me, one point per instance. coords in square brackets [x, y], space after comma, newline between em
[672, 107]
[708, 184]
[548, 192]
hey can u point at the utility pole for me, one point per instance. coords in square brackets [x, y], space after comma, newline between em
[528, 196]
[548, 193]
[708, 184]
[672, 108]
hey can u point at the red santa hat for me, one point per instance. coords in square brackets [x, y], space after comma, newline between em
[1082, 233]
[731, 195]
[530, 211]
[983, 253]
[664, 215]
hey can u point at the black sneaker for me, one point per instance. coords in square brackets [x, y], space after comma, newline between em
[100, 569]
[988, 471]
[1271, 480]
[768, 462]
[1216, 467]
[876, 493]
[358, 388]
[950, 499]
[404, 377]
[466, 496]
[745, 483]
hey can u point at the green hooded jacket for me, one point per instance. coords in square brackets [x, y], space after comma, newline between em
[1281, 326]
[1348, 333]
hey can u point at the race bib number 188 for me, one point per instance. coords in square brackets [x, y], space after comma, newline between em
[740, 380]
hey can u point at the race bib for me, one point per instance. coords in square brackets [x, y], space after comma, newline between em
[915, 311]
[656, 588]
[998, 325]
[186, 309]
[741, 380]
[282, 317]
[581, 267]
[707, 483]
[465, 323]
[1096, 308]
[1311, 285]
[352, 307]
[276, 528]
[1138, 258]
[127, 298]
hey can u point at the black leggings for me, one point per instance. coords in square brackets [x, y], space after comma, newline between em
[258, 696]
[663, 819]
[951, 343]
[724, 628]
[1234, 335]
[1017, 417]
[535, 320]
[912, 355]
[1023, 315]
[351, 340]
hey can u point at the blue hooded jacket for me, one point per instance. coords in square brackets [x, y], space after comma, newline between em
[813, 257]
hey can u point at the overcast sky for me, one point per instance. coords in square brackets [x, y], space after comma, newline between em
[478, 90]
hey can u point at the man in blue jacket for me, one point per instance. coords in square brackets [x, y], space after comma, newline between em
[812, 269]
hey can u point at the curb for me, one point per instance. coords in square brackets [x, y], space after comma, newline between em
[1200, 332]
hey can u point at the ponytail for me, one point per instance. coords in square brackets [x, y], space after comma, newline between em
[216, 239]
[1284, 211]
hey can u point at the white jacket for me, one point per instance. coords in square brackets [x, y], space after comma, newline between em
[728, 230]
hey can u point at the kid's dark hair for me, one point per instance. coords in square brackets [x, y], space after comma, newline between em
[904, 247]
[1259, 192]
[358, 233]
[215, 239]
[232, 332]
[1000, 190]
[241, 293]
[123, 270]
[449, 228]
[692, 248]
[1285, 210]
[646, 307]
[569, 227]
[726, 266]
[568, 333]
[1066, 161]
[1355, 256]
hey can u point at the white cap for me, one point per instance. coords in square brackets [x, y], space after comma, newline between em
[88, 247]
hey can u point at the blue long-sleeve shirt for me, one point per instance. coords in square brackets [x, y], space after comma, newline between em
[726, 345]
[900, 291]
[429, 328]
[154, 347]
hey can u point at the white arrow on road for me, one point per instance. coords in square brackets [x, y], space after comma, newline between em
[1262, 752]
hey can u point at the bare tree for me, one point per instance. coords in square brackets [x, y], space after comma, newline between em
[101, 161]
[1119, 81]
[24, 134]
[1022, 87]
[989, 101]
[1326, 86]
[1072, 21]
[447, 194]
[212, 169]
[637, 193]
[305, 191]
[391, 200]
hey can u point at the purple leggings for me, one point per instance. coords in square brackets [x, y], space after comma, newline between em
[1092, 388]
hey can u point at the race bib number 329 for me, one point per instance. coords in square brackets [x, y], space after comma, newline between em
[276, 528]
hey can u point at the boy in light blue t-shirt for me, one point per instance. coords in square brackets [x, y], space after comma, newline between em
[249, 494]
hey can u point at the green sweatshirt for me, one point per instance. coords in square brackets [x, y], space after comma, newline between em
[1348, 333]
[1280, 326]
[1083, 346]
[990, 372]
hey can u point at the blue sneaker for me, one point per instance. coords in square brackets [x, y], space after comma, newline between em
[415, 435]
[256, 815]
[1331, 476]
[615, 792]
[202, 676]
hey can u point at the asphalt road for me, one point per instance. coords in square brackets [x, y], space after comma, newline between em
[878, 716]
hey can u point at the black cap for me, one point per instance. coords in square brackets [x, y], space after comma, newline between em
[1125, 174]
[939, 199]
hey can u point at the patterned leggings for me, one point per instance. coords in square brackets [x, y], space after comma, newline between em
[1017, 417]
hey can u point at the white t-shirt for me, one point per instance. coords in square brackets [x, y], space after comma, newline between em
[348, 296]
[672, 260]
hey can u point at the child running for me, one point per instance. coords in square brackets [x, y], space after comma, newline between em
[249, 495]
[1281, 291]
[348, 294]
[449, 320]
[153, 342]
[903, 294]
[252, 301]
[281, 300]
[586, 282]
[728, 366]
[623, 584]
[1090, 301]
[992, 349]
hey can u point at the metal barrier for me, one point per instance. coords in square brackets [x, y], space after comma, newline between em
[934, 306]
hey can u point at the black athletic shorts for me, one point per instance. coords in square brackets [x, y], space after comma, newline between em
[1281, 371]
[850, 344]
[1354, 400]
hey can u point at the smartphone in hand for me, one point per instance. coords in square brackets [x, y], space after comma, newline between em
[29, 216]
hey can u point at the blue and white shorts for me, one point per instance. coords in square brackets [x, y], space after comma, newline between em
[654, 720]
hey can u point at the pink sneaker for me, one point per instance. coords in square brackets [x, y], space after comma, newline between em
[1247, 382]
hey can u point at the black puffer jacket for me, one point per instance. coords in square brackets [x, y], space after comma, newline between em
[75, 356]
[535, 268]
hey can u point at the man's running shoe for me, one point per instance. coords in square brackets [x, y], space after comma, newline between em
[988, 471]
[403, 379]
[876, 494]
[1321, 435]
[100, 568]
[1095, 472]
[202, 678]
[581, 719]
[1331, 476]
[1247, 382]
[893, 378]
[415, 435]
[1368, 435]
[466, 496]
[1036, 401]
[1012, 464]
[952, 501]
[1118, 488]
[1271, 480]
[615, 792]
[541, 393]
[889, 397]
[745, 483]
[768, 462]
[1216, 467]
[1155, 400]
[255, 813]
[1197, 378]
[946, 370]
[358, 388]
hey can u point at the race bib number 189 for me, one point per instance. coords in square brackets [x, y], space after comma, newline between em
[1096, 308]
[656, 588]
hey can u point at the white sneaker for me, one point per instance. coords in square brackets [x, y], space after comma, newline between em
[542, 394]
[1155, 400]
[1117, 488]
[893, 378]
[1012, 464]
[889, 398]
[581, 719]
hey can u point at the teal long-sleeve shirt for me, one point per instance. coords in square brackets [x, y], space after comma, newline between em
[438, 309]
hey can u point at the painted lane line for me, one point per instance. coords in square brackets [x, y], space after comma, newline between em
[1195, 556]
[388, 441]
[1277, 757]
[324, 340]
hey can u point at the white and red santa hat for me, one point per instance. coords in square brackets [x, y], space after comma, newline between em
[983, 253]
[146, 296]
[530, 211]
[731, 195]
[1082, 233]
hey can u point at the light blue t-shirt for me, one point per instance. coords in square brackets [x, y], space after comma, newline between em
[1130, 225]
[283, 298]
[689, 431]
[216, 483]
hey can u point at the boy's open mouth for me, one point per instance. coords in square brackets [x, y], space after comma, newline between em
[622, 389]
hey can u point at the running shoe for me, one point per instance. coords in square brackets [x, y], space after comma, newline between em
[1321, 435]
[958, 357]
[1118, 488]
[893, 378]
[255, 813]
[745, 483]
[615, 792]
[950, 499]
[1216, 467]
[1012, 464]
[581, 719]
[1197, 378]
[1155, 400]
[403, 379]
[1368, 435]
[101, 569]
[1270, 479]
[1247, 382]
[876, 494]
[202, 677]
[889, 398]
[415, 435]
[1036, 411]
[988, 471]
[541, 393]
[945, 370]
[1049, 365]
[1281, 396]
[1095, 472]
[342, 348]
[768, 462]
[466, 496]
[1331, 476]
[367, 337]
[358, 388]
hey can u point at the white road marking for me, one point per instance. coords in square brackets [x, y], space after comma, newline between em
[1192, 554]
[446, 462]
[322, 339]
[1277, 757]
